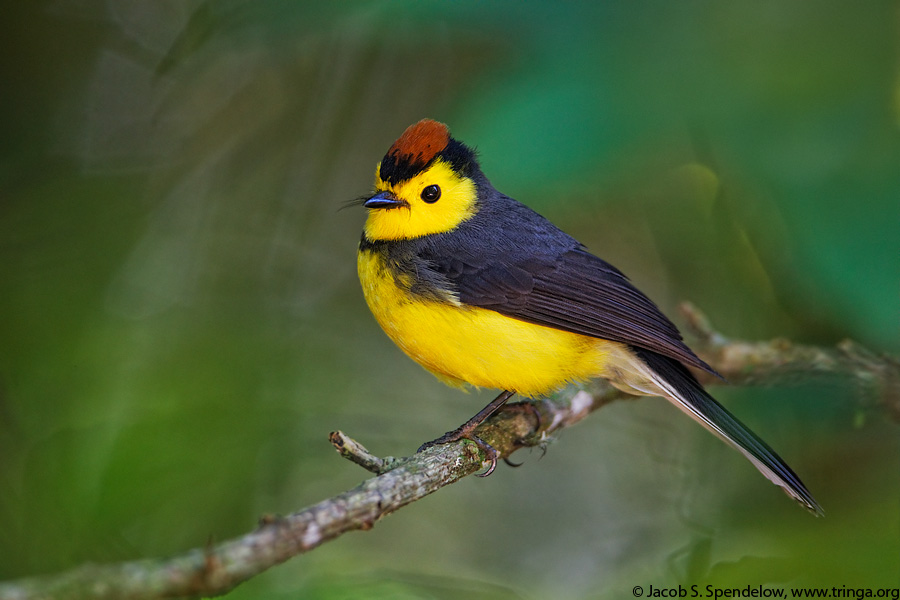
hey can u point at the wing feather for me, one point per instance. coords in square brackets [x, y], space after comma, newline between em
[574, 291]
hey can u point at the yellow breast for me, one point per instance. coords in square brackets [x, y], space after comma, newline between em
[462, 344]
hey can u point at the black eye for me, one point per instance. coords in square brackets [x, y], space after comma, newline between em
[431, 194]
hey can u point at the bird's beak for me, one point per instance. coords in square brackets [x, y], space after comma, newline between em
[384, 200]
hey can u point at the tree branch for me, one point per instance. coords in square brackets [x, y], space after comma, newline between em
[780, 361]
[400, 481]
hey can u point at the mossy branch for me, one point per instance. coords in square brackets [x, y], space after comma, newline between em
[215, 569]
[780, 361]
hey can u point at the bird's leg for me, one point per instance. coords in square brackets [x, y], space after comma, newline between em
[467, 429]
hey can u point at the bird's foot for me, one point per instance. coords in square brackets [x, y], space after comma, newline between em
[532, 410]
[526, 407]
[466, 433]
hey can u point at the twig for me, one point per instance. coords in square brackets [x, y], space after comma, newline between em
[216, 569]
[780, 361]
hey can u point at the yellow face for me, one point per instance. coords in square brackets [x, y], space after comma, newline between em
[419, 214]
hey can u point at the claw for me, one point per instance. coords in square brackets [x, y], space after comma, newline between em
[466, 432]
[529, 408]
[453, 436]
[489, 451]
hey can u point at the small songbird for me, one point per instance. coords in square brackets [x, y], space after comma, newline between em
[480, 289]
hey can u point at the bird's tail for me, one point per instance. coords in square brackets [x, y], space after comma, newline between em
[683, 389]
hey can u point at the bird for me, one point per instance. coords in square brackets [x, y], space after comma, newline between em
[483, 291]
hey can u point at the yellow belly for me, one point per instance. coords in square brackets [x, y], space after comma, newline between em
[463, 344]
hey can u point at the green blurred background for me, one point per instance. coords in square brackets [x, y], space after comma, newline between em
[181, 325]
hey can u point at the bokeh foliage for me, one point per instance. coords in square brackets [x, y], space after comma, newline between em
[181, 326]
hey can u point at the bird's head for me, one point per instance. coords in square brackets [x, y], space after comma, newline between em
[425, 184]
